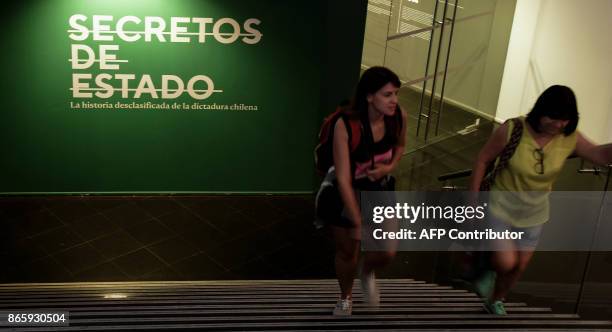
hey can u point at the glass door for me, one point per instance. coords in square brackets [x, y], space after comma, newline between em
[447, 54]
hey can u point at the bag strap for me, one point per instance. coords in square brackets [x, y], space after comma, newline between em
[508, 151]
[353, 129]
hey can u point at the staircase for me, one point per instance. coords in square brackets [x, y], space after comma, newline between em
[265, 305]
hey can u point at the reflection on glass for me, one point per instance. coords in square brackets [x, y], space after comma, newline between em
[376, 31]
[399, 36]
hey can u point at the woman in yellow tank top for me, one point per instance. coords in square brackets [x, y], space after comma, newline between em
[549, 136]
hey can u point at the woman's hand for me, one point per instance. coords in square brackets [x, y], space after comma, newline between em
[379, 171]
[597, 154]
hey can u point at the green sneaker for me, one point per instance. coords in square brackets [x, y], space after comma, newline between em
[484, 285]
[495, 307]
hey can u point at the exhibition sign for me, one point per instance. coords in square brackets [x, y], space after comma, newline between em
[160, 96]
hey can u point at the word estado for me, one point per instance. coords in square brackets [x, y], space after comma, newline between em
[131, 29]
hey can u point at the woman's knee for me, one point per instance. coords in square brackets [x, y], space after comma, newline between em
[505, 262]
[348, 251]
[520, 268]
[523, 261]
[348, 256]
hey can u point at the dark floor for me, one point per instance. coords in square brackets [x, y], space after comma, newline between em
[158, 238]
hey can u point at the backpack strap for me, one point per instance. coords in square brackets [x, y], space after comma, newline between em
[353, 129]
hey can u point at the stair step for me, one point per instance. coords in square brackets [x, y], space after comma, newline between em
[515, 325]
[222, 297]
[253, 291]
[276, 305]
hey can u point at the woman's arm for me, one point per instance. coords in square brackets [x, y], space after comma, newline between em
[494, 146]
[342, 163]
[401, 144]
[597, 154]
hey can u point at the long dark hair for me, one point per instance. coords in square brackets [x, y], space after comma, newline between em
[372, 80]
[557, 102]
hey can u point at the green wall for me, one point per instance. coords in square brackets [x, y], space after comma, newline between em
[341, 62]
[51, 147]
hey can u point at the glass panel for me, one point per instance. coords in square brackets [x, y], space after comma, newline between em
[476, 63]
[408, 56]
[595, 298]
[375, 39]
[475, 66]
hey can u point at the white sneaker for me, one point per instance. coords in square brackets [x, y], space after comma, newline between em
[344, 307]
[369, 289]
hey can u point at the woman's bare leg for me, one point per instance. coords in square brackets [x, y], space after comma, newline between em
[510, 268]
[346, 259]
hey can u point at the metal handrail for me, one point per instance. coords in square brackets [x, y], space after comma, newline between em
[437, 25]
[468, 171]
[455, 175]
[587, 265]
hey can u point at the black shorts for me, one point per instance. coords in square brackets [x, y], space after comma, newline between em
[387, 184]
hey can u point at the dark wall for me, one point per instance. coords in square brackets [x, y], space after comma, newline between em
[345, 28]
